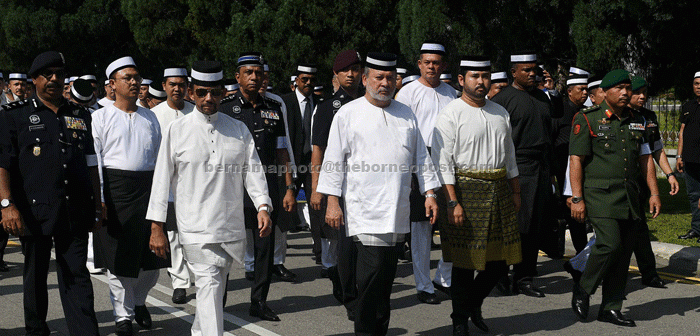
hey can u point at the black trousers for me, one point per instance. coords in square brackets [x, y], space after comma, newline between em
[347, 265]
[4, 238]
[263, 251]
[643, 252]
[74, 283]
[376, 269]
[468, 292]
[526, 270]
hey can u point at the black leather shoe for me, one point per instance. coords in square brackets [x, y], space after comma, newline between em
[503, 286]
[351, 314]
[250, 276]
[283, 273]
[143, 317]
[443, 289]
[3, 266]
[324, 273]
[615, 317]
[262, 311]
[580, 301]
[527, 288]
[179, 296]
[429, 298]
[655, 282]
[124, 328]
[690, 235]
[460, 330]
[478, 320]
[575, 274]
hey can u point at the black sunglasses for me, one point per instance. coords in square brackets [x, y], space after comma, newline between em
[203, 92]
[48, 73]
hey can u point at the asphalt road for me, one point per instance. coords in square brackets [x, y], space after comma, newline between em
[308, 308]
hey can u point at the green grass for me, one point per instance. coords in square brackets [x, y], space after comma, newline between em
[674, 219]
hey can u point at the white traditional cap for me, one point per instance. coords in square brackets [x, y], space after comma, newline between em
[156, 92]
[73, 78]
[174, 72]
[118, 64]
[232, 87]
[306, 68]
[579, 71]
[66, 80]
[401, 71]
[594, 82]
[523, 57]
[409, 79]
[475, 63]
[697, 75]
[381, 61]
[82, 90]
[446, 76]
[430, 47]
[207, 73]
[499, 77]
[18, 76]
[89, 78]
[577, 80]
[146, 81]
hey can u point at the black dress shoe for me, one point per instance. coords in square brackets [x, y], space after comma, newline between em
[615, 317]
[429, 298]
[143, 317]
[262, 311]
[478, 320]
[690, 235]
[443, 289]
[324, 273]
[124, 328]
[527, 288]
[351, 314]
[580, 302]
[250, 276]
[283, 273]
[3, 266]
[655, 282]
[460, 330]
[575, 274]
[503, 286]
[179, 296]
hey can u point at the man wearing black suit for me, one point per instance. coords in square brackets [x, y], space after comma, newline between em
[300, 106]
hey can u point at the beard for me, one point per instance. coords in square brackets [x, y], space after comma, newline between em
[378, 94]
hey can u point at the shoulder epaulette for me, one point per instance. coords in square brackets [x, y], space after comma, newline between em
[15, 104]
[228, 99]
[591, 109]
[78, 106]
[269, 100]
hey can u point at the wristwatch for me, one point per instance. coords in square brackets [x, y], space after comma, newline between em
[431, 195]
[452, 203]
[5, 203]
[292, 187]
[264, 208]
[576, 199]
[670, 174]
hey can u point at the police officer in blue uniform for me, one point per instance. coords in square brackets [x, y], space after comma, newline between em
[49, 191]
[264, 119]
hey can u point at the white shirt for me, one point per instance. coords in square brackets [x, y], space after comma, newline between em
[371, 152]
[167, 114]
[475, 138]
[126, 141]
[302, 103]
[426, 103]
[104, 102]
[204, 160]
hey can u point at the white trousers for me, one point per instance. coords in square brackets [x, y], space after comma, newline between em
[126, 293]
[421, 240]
[329, 252]
[90, 255]
[179, 274]
[209, 311]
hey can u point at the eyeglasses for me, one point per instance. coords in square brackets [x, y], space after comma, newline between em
[308, 79]
[128, 79]
[201, 93]
[48, 73]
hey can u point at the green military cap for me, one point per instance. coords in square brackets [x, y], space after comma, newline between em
[615, 77]
[638, 83]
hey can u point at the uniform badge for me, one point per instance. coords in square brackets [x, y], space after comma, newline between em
[601, 134]
[34, 119]
[75, 135]
[650, 125]
[75, 123]
[75, 113]
[577, 129]
[37, 151]
[636, 127]
[603, 121]
[270, 115]
[267, 121]
[604, 127]
[336, 103]
[236, 109]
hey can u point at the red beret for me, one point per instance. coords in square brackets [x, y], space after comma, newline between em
[345, 59]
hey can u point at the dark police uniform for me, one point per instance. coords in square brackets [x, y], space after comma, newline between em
[46, 155]
[612, 194]
[266, 123]
[690, 117]
[347, 251]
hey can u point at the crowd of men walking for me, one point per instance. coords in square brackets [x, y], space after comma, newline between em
[190, 172]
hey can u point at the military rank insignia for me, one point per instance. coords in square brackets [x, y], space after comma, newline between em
[76, 123]
[37, 151]
[577, 129]
[270, 115]
[636, 127]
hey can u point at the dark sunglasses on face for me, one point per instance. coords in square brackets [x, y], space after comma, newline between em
[203, 92]
[48, 73]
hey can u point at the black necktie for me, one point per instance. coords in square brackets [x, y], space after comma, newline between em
[307, 126]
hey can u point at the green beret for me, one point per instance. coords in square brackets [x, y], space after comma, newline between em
[638, 83]
[615, 77]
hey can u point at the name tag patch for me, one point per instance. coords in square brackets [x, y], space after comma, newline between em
[76, 123]
[270, 115]
[604, 127]
[636, 127]
[36, 127]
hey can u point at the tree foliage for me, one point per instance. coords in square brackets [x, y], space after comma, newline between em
[649, 37]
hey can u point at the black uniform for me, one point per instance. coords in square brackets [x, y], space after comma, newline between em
[266, 123]
[347, 251]
[47, 156]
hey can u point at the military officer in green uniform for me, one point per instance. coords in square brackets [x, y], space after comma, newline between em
[609, 157]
